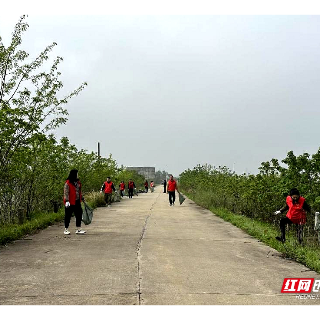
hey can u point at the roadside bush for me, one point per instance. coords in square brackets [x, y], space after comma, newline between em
[258, 196]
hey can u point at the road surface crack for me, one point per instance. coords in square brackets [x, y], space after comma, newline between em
[139, 245]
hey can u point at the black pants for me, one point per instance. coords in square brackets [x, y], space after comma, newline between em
[130, 192]
[107, 198]
[172, 196]
[284, 222]
[164, 189]
[77, 210]
[122, 193]
[146, 189]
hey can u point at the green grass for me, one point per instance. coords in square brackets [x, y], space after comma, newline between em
[9, 233]
[308, 253]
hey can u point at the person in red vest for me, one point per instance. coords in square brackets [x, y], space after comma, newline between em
[107, 188]
[297, 207]
[72, 198]
[146, 185]
[171, 189]
[131, 186]
[122, 187]
[152, 186]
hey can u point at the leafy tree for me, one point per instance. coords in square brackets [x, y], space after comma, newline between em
[29, 109]
[28, 96]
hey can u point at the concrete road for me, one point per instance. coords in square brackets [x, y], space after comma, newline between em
[142, 251]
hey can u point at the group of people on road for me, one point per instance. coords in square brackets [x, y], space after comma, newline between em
[295, 203]
[131, 188]
[73, 196]
[108, 187]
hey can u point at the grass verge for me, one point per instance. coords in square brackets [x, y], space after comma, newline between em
[9, 233]
[307, 254]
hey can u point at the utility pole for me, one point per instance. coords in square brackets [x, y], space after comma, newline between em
[99, 150]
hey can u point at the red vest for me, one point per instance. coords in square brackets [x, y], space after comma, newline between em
[130, 185]
[296, 213]
[122, 186]
[72, 193]
[108, 187]
[172, 185]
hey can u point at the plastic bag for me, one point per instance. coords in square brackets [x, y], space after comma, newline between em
[181, 198]
[117, 197]
[87, 213]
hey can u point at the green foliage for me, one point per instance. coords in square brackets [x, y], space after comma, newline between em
[31, 163]
[307, 254]
[125, 175]
[95, 199]
[160, 176]
[248, 201]
[13, 232]
[257, 196]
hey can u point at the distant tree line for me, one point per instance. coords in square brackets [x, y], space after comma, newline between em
[160, 176]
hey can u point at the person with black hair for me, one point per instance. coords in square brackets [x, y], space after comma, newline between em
[172, 187]
[107, 188]
[122, 188]
[297, 207]
[164, 186]
[72, 200]
[131, 186]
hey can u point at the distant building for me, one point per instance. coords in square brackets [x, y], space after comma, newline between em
[148, 172]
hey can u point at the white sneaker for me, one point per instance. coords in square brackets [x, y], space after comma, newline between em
[109, 206]
[79, 231]
[66, 231]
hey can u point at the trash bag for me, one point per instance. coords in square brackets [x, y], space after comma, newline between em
[116, 197]
[87, 213]
[181, 198]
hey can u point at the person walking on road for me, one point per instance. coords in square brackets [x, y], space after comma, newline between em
[164, 186]
[131, 186]
[152, 186]
[297, 207]
[146, 185]
[122, 187]
[172, 187]
[107, 188]
[72, 198]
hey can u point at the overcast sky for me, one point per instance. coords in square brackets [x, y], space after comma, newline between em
[177, 91]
